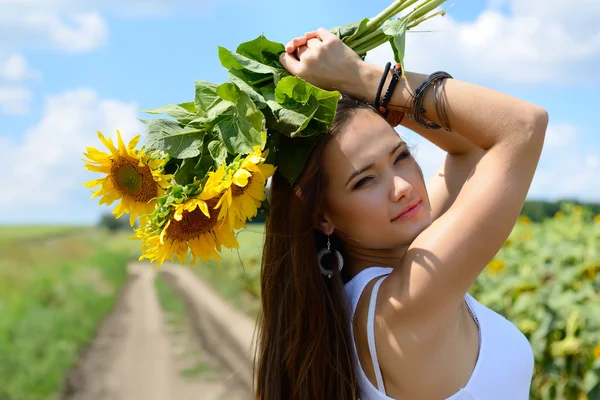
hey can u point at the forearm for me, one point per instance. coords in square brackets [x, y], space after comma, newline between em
[450, 142]
[482, 116]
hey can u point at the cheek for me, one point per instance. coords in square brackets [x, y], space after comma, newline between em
[364, 212]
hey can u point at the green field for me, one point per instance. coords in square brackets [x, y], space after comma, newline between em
[56, 284]
[33, 232]
[237, 275]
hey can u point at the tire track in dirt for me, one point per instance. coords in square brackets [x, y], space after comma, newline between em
[134, 356]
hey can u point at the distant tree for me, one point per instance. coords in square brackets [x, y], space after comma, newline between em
[538, 210]
[108, 221]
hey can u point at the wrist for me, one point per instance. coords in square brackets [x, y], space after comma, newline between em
[363, 82]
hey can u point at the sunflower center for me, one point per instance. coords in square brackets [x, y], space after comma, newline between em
[134, 182]
[237, 191]
[193, 223]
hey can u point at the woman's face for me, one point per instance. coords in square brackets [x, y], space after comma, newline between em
[370, 179]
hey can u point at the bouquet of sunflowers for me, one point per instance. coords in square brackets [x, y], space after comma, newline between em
[202, 173]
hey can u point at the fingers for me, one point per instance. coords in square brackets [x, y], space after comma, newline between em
[325, 35]
[321, 34]
[290, 63]
[311, 35]
[313, 43]
[295, 43]
[301, 50]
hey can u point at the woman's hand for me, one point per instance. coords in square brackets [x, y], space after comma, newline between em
[323, 60]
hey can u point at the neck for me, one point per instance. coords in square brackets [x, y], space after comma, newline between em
[359, 259]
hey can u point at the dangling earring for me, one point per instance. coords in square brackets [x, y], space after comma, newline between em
[340, 261]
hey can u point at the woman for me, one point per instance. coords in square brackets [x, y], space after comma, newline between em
[396, 321]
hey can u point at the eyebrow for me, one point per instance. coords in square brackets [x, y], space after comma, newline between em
[367, 167]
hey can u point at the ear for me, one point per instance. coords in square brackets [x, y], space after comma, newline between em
[325, 225]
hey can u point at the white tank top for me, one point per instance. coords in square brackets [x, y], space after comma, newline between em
[504, 367]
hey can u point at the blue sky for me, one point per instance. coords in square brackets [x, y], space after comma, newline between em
[71, 67]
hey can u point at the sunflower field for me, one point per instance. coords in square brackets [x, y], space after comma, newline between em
[546, 280]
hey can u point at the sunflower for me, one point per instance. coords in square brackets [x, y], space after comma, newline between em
[244, 188]
[193, 225]
[131, 176]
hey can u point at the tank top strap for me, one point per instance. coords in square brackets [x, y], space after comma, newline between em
[371, 334]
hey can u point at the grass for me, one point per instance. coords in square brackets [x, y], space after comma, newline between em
[32, 232]
[55, 287]
[176, 317]
[236, 277]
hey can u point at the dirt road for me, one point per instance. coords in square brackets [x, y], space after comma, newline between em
[135, 356]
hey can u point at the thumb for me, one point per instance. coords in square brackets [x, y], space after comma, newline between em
[290, 63]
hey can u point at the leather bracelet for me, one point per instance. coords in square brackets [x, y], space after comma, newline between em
[381, 83]
[390, 90]
[418, 110]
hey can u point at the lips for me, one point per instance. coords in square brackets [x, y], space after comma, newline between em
[409, 210]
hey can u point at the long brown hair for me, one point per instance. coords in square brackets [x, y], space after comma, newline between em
[304, 345]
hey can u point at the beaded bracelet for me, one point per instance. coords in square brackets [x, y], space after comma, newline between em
[381, 83]
[388, 94]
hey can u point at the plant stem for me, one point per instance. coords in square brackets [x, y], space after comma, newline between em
[364, 39]
[425, 8]
[373, 43]
[417, 16]
[425, 18]
[391, 10]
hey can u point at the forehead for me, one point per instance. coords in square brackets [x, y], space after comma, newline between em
[366, 139]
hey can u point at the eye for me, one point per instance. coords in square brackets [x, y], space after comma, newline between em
[362, 181]
[402, 156]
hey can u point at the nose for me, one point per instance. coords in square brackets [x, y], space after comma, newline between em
[400, 188]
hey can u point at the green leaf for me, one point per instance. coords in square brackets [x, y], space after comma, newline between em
[190, 106]
[262, 50]
[396, 31]
[194, 167]
[169, 136]
[238, 77]
[292, 155]
[218, 152]
[244, 127]
[230, 59]
[206, 95]
[172, 110]
[349, 32]
[298, 105]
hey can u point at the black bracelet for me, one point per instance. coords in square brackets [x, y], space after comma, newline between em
[388, 94]
[417, 109]
[381, 83]
[440, 106]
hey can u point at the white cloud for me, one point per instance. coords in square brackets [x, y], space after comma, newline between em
[538, 41]
[48, 159]
[568, 167]
[24, 24]
[14, 100]
[559, 136]
[15, 68]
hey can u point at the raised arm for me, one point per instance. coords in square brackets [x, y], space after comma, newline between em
[446, 258]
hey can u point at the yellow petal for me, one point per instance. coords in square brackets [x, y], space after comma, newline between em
[108, 143]
[122, 148]
[240, 177]
[178, 213]
[93, 183]
[133, 142]
[164, 231]
[267, 170]
[204, 208]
